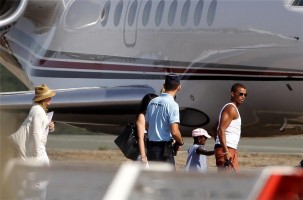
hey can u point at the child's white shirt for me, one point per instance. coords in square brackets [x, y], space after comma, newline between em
[196, 162]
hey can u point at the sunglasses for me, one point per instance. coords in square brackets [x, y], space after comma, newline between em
[241, 94]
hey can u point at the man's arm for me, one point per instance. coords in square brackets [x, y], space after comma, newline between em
[176, 134]
[214, 130]
[140, 123]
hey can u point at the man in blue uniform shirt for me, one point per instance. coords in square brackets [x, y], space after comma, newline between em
[162, 119]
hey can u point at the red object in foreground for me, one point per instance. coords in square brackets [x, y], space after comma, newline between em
[283, 186]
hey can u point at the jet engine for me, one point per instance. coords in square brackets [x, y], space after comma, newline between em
[10, 12]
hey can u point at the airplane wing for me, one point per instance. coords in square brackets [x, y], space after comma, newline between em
[94, 108]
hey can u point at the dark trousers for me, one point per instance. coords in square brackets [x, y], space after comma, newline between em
[160, 151]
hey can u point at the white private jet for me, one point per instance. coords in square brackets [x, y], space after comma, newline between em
[103, 56]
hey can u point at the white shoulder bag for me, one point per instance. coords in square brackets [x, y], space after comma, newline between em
[18, 138]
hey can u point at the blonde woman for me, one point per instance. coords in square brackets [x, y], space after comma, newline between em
[40, 125]
[31, 137]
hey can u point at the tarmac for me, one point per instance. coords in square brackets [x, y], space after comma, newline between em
[277, 144]
[76, 181]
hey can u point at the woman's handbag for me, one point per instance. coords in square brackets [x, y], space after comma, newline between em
[19, 139]
[127, 141]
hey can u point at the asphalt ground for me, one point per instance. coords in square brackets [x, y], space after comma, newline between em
[78, 181]
[278, 144]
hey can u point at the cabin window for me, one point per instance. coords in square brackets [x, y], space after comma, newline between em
[118, 13]
[105, 13]
[211, 12]
[132, 13]
[184, 13]
[198, 12]
[81, 14]
[146, 13]
[172, 13]
[159, 13]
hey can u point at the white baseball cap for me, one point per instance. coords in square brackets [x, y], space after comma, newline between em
[200, 132]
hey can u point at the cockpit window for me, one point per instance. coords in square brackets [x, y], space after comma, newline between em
[298, 3]
[81, 14]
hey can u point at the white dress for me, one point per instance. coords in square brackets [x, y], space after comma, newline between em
[38, 132]
[31, 138]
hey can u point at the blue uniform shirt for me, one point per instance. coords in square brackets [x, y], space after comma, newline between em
[161, 112]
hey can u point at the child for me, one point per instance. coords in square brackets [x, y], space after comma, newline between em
[196, 160]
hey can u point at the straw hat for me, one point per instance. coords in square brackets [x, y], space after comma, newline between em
[43, 92]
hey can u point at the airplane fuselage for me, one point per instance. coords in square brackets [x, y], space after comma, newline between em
[211, 44]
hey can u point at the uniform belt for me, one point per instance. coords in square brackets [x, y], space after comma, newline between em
[159, 142]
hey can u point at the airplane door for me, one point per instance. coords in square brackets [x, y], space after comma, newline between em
[130, 23]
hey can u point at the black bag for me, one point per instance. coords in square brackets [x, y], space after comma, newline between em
[127, 141]
[228, 164]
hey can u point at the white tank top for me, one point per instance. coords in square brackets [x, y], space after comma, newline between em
[233, 131]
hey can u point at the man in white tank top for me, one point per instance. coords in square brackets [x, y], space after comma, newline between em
[228, 129]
